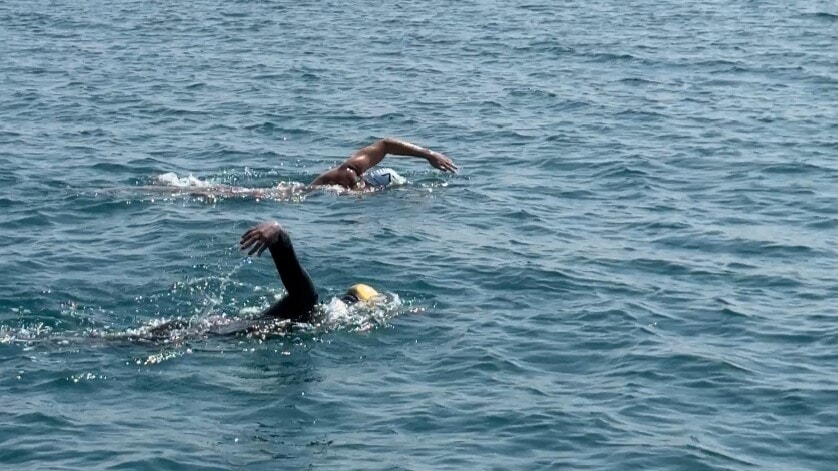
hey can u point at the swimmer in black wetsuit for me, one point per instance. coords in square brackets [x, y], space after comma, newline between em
[299, 303]
[302, 296]
[296, 306]
[350, 174]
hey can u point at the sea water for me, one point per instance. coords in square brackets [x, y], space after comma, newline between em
[634, 269]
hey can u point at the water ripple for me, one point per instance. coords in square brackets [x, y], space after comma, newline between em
[634, 269]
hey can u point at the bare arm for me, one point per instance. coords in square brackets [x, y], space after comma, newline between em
[371, 155]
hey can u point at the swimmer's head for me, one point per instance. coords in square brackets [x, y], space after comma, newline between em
[382, 178]
[359, 293]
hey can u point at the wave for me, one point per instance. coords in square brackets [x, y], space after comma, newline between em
[821, 15]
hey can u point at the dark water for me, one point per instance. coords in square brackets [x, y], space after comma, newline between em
[635, 269]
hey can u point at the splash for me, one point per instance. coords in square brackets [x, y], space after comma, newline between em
[329, 317]
[173, 185]
[25, 334]
[213, 189]
[337, 315]
[174, 337]
[214, 306]
[172, 179]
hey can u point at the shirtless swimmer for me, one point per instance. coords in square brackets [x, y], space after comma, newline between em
[357, 171]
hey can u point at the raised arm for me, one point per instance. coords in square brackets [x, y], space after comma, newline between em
[370, 156]
[302, 295]
[348, 173]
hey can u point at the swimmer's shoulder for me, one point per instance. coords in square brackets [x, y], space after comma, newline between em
[345, 176]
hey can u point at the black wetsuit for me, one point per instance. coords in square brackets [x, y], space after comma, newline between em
[302, 296]
[295, 306]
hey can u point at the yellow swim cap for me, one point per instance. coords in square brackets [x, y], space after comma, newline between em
[362, 292]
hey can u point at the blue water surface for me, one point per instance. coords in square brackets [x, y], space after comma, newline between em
[634, 269]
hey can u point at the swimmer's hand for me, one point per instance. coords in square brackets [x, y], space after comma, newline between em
[260, 237]
[442, 162]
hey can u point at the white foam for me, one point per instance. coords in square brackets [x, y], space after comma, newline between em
[172, 183]
[361, 316]
[172, 179]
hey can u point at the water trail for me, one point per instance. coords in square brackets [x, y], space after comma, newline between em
[173, 185]
[175, 334]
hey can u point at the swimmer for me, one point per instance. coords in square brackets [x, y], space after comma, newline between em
[301, 298]
[355, 173]
[298, 305]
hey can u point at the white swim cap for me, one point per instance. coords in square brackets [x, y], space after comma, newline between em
[382, 177]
